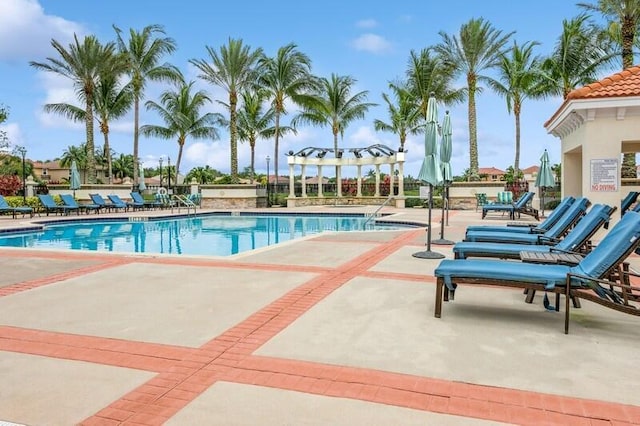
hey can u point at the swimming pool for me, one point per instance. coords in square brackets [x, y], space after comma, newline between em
[216, 235]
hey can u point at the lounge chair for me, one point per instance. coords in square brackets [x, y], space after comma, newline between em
[529, 228]
[574, 241]
[139, 200]
[520, 206]
[50, 205]
[605, 258]
[97, 199]
[119, 203]
[628, 201]
[69, 201]
[5, 208]
[575, 211]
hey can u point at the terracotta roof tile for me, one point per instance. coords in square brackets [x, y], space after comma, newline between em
[531, 169]
[490, 171]
[623, 83]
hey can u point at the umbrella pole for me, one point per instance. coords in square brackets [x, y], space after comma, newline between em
[428, 254]
[542, 205]
[442, 241]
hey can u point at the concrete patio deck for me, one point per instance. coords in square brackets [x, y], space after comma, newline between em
[336, 329]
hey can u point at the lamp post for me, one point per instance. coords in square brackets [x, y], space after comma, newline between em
[268, 192]
[23, 152]
[169, 174]
[160, 162]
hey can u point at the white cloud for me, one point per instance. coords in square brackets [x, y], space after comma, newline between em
[367, 23]
[26, 30]
[371, 43]
[14, 134]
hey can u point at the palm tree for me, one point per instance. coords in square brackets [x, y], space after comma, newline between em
[333, 105]
[233, 68]
[519, 78]
[476, 49]
[427, 74]
[203, 175]
[576, 58]
[84, 63]
[287, 76]
[79, 154]
[144, 51]
[123, 166]
[404, 113]
[254, 122]
[623, 24]
[110, 101]
[180, 110]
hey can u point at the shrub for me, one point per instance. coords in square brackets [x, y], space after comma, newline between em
[551, 204]
[9, 184]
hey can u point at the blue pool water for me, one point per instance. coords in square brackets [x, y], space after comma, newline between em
[204, 235]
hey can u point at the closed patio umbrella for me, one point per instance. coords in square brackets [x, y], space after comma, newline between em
[74, 179]
[545, 178]
[430, 171]
[447, 176]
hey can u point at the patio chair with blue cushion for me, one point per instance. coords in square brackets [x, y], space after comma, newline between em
[512, 208]
[50, 205]
[119, 203]
[574, 241]
[139, 200]
[557, 231]
[6, 208]
[97, 199]
[628, 201]
[69, 201]
[605, 259]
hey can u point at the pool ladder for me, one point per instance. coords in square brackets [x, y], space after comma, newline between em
[182, 201]
[377, 212]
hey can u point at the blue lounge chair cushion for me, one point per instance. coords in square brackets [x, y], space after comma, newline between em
[499, 270]
[597, 216]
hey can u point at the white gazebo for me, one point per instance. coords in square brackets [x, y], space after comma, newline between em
[375, 155]
[597, 124]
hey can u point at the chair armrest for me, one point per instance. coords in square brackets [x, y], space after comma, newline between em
[547, 240]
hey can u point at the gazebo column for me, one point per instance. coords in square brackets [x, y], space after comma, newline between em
[303, 181]
[377, 194]
[391, 179]
[339, 179]
[359, 184]
[320, 194]
[292, 190]
[400, 179]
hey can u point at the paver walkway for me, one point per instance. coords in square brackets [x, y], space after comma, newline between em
[290, 335]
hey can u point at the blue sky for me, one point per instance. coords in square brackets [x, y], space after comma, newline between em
[369, 40]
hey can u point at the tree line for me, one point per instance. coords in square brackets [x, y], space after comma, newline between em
[110, 79]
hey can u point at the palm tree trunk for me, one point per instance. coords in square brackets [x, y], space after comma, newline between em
[276, 143]
[516, 161]
[181, 140]
[252, 144]
[473, 132]
[628, 36]
[91, 159]
[233, 130]
[136, 131]
[107, 151]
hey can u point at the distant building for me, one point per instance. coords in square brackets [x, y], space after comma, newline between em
[491, 174]
[530, 173]
[52, 171]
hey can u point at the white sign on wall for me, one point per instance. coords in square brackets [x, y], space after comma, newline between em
[424, 192]
[604, 175]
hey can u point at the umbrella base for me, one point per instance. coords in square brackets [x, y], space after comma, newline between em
[442, 242]
[428, 255]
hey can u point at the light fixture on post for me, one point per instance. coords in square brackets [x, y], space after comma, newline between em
[268, 192]
[22, 151]
[169, 174]
[160, 163]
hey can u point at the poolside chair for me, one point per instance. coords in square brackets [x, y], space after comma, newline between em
[50, 205]
[552, 236]
[628, 201]
[5, 208]
[529, 228]
[614, 248]
[97, 199]
[164, 200]
[119, 203]
[519, 206]
[140, 201]
[69, 201]
[574, 241]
